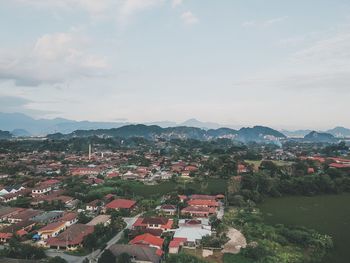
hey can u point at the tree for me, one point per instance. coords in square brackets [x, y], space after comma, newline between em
[57, 259]
[124, 258]
[107, 257]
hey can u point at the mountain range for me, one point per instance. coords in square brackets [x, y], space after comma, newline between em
[21, 125]
[256, 133]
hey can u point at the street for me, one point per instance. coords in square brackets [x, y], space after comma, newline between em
[93, 257]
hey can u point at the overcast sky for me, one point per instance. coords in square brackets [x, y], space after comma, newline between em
[284, 64]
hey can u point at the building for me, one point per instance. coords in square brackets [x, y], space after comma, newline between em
[69, 218]
[192, 231]
[51, 230]
[11, 189]
[94, 206]
[161, 223]
[23, 215]
[100, 219]
[169, 210]
[121, 204]
[140, 254]
[198, 211]
[72, 238]
[148, 240]
[176, 244]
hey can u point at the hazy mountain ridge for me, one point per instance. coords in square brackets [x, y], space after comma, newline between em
[5, 135]
[257, 133]
[319, 137]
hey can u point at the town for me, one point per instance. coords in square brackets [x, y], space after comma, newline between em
[101, 200]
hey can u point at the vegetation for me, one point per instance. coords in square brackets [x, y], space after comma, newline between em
[278, 243]
[16, 249]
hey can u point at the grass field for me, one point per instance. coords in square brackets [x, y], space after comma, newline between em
[211, 186]
[215, 258]
[257, 163]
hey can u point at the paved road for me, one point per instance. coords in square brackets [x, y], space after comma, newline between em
[92, 257]
[129, 222]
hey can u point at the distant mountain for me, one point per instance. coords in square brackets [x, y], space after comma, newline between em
[259, 133]
[20, 133]
[296, 134]
[19, 121]
[198, 124]
[319, 137]
[256, 134]
[5, 135]
[340, 132]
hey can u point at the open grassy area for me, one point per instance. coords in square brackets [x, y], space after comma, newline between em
[257, 163]
[231, 258]
[215, 258]
[211, 186]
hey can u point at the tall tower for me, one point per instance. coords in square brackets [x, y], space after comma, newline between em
[89, 151]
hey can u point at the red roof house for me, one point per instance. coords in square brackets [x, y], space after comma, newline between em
[149, 240]
[121, 204]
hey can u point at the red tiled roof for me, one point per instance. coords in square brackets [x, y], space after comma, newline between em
[68, 216]
[121, 204]
[198, 202]
[74, 235]
[52, 226]
[339, 165]
[203, 197]
[6, 235]
[147, 239]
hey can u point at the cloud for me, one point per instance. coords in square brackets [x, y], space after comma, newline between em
[129, 8]
[189, 18]
[333, 50]
[19, 104]
[93, 7]
[54, 58]
[264, 23]
[176, 3]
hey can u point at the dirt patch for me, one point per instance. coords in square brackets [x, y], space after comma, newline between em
[236, 242]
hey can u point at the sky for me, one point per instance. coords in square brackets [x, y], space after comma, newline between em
[283, 64]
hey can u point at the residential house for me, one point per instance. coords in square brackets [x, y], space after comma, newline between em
[72, 238]
[192, 231]
[139, 254]
[148, 240]
[100, 219]
[121, 204]
[169, 210]
[51, 230]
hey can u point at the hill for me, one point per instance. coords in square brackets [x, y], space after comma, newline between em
[152, 132]
[5, 135]
[319, 137]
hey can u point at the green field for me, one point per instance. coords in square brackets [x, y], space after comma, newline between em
[278, 163]
[211, 186]
[329, 214]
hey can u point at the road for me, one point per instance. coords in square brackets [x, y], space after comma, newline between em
[93, 257]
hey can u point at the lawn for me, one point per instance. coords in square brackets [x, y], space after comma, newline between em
[257, 163]
[231, 258]
[211, 186]
[215, 258]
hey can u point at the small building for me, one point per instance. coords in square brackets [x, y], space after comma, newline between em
[121, 204]
[69, 218]
[198, 211]
[72, 238]
[192, 231]
[148, 240]
[100, 219]
[144, 254]
[162, 223]
[169, 210]
[94, 206]
[51, 230]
